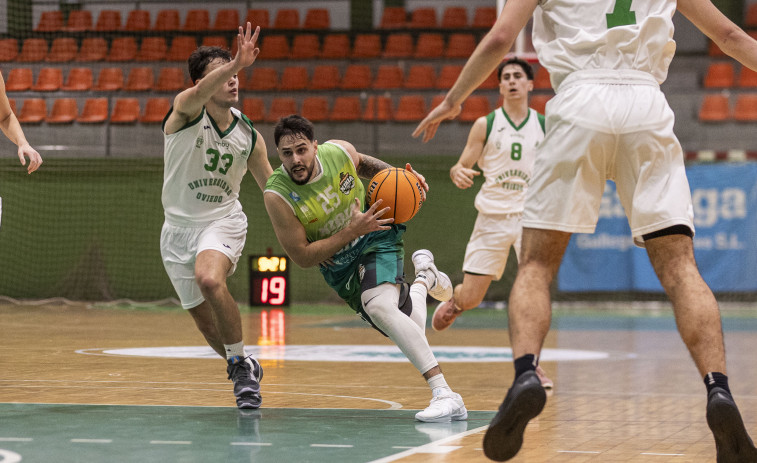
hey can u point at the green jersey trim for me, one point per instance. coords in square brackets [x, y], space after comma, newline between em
[188, 124]
[489, 124]
[247, 121]
[542, 122]
[223, 133]
[518, 127]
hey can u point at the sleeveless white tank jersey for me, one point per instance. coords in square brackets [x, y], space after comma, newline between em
[571, 35]
[204, 168]
[507, 161]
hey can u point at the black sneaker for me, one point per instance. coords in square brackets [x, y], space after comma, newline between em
[524, 401]
[246, 375]
[731, 439]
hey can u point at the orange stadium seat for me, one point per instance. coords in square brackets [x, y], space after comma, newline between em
[155, 110]
[746, 108]
[79, 21]
[429, 45]
[32, 50]
[287, 18]
[95, 111]
[714, 108]
[253, 108]
[306, 46]
[263, 79]
[356, 77]
[750, 20]
[12, 104]
[281, 107]
[377, 108]
[122, 49]
[335, 46]
[258, 17]
[294, 78]
[137, 21]
[345, 109]
[8, 49]
[410, 108]
[140, 79]
[366, 46]
[181, 47]
[455, 17]
[50, 21]
[109, 79]
[62, 50]
[325, 77]
[420, 76]
[19, 80]
[315, 108]
[747, 78]
[398, 45]
[197, 20]
[78, 80]
[33, 111]
[48, 80]
[170, 79]
[227, 20]
[474, 107]
[541, 79]
[215, 41]
[64, 111]
[274, 47]
[152, 49]
[484, 17]
[719, 75]
[460, 45]
[394, 17]
[317, 18]
[92, 49]
[125, 111]
[491, 82]
[539, 102]
[423, 18]
[447, 76]
[388, 76]
[167, 20]
[108, 21]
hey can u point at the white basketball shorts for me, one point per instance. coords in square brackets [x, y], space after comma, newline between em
[489, 244]
[609, 125]
[179, 247]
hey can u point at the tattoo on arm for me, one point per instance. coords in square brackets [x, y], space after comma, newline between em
[370, 166]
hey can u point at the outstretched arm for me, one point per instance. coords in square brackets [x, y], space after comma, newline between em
[462, 172]
[258, 164]
[188, 104]
[728, 36]
[485, 58]
[12, 129]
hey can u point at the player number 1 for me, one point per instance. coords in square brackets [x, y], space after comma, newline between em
[621, 14]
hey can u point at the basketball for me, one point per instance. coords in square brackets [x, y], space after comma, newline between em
[400, 190]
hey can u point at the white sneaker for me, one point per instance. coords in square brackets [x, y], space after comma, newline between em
[441, 286]
[443, 409]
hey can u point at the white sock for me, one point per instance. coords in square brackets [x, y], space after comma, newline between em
[438, 384]
[382, 307]
[425, 277]
[235, 350]
[418, 293]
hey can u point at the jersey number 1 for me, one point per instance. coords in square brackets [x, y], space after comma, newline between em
[621, 14]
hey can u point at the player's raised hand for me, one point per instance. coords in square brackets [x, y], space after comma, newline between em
[363, 223]
[431, 122]
[421, 179]
[35, 160]
[247, 50]
[462, 176]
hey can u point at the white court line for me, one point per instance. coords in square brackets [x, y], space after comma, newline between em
[337, 446]
[664, 454]
[92, 441]
[254, 444]
[171, 442]
[578, 451]
[15, 439]
[428, 448]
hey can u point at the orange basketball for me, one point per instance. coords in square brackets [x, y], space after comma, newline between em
[400, 190]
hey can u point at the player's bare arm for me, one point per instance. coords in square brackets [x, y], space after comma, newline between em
[485, 58]
[188, 104]
[728, 36]
[291, 234]
[12, 129]
[462, 172]
[258, 164]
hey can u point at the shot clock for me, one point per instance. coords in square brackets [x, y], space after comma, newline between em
[269, 281]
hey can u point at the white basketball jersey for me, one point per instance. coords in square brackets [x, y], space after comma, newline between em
[204, 168]
[507, 161]
[569, 35]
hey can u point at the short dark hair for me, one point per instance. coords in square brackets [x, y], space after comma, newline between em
[200, 58]
[293, 125]
[522, 63]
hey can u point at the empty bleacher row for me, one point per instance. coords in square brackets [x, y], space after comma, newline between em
[723, 77]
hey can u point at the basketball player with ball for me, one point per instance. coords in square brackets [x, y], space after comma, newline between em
[316, 203]
[503, 144]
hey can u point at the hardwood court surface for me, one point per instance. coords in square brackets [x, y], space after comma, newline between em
[625, 389]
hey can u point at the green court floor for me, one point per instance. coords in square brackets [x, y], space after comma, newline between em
[101, 433]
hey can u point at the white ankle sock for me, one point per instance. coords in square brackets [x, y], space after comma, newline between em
[234, 350]
[438, 384]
